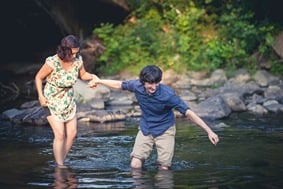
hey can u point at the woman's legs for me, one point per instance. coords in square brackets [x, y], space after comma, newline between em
[64, 135]
[59, 139]
[71, 133]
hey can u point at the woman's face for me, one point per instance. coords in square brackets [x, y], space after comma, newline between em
[72, 56]
[75, 52]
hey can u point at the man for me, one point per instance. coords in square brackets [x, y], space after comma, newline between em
[157, 123]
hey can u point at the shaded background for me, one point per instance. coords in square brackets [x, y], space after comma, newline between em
[30, 32]
[31, 29]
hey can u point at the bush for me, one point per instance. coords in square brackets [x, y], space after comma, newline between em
[182, 35]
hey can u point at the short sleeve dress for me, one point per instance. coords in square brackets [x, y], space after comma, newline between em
[58, 89]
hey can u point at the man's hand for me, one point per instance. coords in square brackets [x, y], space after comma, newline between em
[93, 83]
[213, 138]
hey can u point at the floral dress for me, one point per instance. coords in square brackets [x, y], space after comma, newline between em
[58, 89]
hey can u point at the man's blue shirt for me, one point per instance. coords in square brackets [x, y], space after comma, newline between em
[157, 108]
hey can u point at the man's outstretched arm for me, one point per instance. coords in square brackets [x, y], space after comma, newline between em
[196, 119]
[116, 84]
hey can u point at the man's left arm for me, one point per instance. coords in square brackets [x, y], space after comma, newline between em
[196, 119]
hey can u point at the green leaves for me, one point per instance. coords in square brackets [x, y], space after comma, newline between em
[182, 35]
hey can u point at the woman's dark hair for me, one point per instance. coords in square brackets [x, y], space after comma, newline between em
[64, 50]
[150, 74]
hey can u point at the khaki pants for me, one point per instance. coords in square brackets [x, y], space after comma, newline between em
[164, 143]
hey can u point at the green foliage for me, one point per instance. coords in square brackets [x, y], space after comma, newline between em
[220, 53]
[276, 66]
[182, 35]
[240, 39]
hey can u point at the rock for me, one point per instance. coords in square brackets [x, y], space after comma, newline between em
[215, 98]
[213, 108]
[264, 78]
[274, 93]
[241, 76]
[257, 109]
[278, 44]
[102, 116]
[11, 113]
[84, 94]
[234, 101]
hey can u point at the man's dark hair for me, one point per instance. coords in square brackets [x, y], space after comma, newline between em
[150, 74]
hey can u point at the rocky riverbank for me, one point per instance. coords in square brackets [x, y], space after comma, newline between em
[212, 97]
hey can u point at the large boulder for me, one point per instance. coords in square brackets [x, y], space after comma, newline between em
[213, 108]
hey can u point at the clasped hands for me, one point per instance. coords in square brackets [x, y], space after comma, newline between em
[93, 83]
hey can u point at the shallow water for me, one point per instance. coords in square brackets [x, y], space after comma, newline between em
[249, 155]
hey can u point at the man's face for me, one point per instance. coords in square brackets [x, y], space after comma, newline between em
[151, 87]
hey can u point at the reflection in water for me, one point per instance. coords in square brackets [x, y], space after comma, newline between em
[143, 179]
[164, 179]
[64, 178]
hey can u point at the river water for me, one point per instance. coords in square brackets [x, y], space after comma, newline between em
[249, 155]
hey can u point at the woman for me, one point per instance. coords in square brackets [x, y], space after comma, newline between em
[61, 72]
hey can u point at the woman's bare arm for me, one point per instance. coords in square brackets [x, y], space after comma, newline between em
[41, 75]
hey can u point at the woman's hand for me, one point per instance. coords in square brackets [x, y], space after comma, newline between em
[93, 83]
[42, 101]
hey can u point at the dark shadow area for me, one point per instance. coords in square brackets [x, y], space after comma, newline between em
[29, 33]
